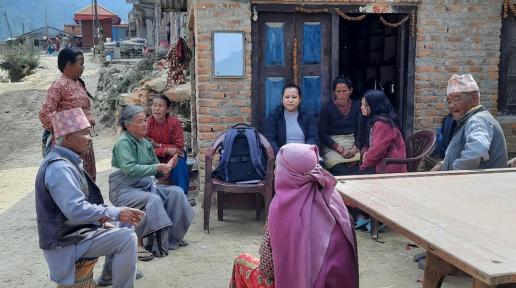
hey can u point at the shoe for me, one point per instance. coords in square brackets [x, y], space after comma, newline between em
[368, 227]
[421, 264]
[419, 256]
[183, 243]
[361, 222]
[107, 282]
[192, 202]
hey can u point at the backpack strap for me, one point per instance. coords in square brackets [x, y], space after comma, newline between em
[228, 147]
[254, 150]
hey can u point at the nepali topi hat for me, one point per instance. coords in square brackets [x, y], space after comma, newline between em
[69, 121]
[461, 84]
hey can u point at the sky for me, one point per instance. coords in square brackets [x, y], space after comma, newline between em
[231, 42]
[29, 15]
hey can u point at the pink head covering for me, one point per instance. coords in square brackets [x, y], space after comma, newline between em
[462, 83]
[302, 216]
[69, 121]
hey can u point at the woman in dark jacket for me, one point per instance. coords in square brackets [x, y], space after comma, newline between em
[290, 123]
[339, 125]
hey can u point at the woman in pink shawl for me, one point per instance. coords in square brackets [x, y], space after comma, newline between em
[309, 240]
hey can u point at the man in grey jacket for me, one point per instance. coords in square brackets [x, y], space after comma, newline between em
[478, 141]
[71, 214]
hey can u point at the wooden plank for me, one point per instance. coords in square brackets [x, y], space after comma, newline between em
[411, 75]
[335, 46]
[460, 217]
[257, 119]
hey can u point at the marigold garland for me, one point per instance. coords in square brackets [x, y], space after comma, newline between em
[411, 16]
[349, 18]
[294, 62]
[508, 6]
[394, 25]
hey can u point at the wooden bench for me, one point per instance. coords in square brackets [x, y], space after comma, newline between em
[464, 219]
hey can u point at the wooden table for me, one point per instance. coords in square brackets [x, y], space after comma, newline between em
[464, 220]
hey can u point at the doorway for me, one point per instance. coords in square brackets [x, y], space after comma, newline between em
[311, 49]
[374, 56]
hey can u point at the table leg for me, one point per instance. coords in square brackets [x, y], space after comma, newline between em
[435, 270]
[479, 284]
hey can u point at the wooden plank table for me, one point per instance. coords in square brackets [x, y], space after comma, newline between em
[464, 219]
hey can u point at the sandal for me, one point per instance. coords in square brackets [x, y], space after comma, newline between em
[109, 281]
[192, 202]
[144, 255]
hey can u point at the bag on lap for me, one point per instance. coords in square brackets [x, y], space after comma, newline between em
[242, 157]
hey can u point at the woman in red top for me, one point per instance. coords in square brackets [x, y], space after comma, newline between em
[166, 135]
[385, 138]
[68, 92]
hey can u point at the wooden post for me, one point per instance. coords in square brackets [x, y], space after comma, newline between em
[479, 284]
[435, 271]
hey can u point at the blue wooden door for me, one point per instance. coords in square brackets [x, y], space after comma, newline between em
[292, 48]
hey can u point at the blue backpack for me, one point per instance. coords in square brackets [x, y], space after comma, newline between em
[242, 157]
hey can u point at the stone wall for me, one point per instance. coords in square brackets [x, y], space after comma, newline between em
[453, 36]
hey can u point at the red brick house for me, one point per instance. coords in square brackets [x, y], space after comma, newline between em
[85, 17]
[410, 47]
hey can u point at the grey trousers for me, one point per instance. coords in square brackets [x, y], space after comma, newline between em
[119, 244]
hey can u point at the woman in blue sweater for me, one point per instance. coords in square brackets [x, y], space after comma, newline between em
[289, 122]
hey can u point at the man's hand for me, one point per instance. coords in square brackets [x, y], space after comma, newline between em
[164, 169]
[130, 215]
[108, 225]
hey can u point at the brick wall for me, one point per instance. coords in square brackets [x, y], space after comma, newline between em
[457, 37]
[220, 103]
[452, 37]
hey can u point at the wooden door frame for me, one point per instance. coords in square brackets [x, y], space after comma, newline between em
[334, 65]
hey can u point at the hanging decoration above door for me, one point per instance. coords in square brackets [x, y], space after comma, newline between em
[509, 6]
[295, 66]
[411, 16]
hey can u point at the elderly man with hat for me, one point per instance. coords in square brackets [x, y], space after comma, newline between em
[70, 210]
[478, 141]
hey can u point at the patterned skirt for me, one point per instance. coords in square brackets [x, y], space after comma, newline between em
[247, 275]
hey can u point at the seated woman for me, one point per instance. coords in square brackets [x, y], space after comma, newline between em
[167, 212]
[385, 138]
[290, 123]
[339, 129]
[166, 135]
[319, 247]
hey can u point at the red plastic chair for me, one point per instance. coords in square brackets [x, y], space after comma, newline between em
[419, 145]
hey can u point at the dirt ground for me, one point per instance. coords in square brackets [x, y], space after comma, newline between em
[206, 262]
